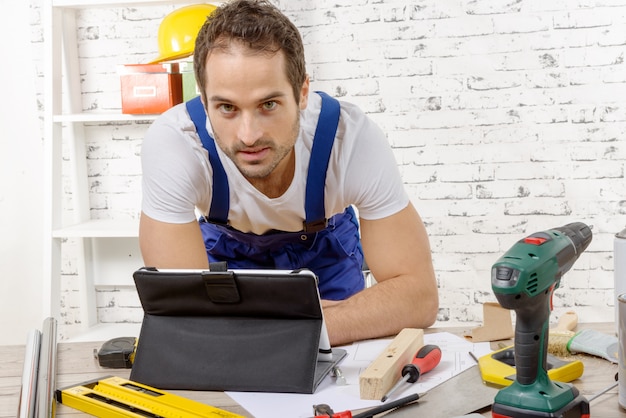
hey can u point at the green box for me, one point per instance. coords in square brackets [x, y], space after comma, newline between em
[190, 87]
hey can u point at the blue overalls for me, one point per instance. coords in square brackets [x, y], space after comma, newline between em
[330, 248]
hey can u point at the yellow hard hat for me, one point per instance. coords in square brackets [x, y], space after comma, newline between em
[179, 29]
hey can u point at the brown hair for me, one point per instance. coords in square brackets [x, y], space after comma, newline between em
[261, 27]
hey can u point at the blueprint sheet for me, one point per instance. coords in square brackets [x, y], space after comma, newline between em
[455, 358]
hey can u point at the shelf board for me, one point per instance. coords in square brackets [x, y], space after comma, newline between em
[102, 117]
[104, 332]
[99, 228]
[113, 3]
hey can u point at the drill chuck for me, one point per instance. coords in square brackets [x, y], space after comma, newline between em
[580, 236]
[578, 233]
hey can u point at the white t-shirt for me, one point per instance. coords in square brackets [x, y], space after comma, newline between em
[362, 172]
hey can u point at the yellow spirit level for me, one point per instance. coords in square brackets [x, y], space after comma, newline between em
[115, 397]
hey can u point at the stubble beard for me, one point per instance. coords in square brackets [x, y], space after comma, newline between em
[259, 169]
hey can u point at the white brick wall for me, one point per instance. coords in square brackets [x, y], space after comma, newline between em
[506, 118]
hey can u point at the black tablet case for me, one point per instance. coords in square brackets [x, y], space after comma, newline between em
[230, 331]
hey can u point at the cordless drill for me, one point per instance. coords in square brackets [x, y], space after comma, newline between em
[524, 279]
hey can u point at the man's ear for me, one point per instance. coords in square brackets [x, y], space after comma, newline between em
[304, 94]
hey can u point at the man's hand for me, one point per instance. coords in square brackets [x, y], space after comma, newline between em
[398, 254]
[166, 245]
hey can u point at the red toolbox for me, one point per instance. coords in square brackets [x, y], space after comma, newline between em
[150, 88]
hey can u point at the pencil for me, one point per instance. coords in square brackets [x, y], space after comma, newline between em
[388, 406]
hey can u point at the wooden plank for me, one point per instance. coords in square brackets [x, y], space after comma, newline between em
[74, 357]
[9, 395]
[12, 357]
[386, 369]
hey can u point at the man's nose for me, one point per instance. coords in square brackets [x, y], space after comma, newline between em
[249, 130]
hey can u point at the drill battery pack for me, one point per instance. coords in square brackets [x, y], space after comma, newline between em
[578, 408]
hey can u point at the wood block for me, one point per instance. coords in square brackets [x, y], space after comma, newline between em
[497, 324]
[386, 369]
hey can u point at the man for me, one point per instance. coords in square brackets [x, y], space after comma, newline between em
[243, 165]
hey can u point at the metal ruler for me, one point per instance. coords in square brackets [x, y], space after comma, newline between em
[459, 395]
[114, 397]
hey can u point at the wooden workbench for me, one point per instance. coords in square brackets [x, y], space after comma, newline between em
[76, 364]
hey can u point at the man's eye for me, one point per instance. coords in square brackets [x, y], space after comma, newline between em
[227, 108]
[269, 105]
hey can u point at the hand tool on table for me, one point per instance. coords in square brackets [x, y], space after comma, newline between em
[460, 395]
[340, 379]
[524, 280]
[325, 411]
[384, 371]
[117, 353]
[115, 397]
[424, 361]
[498, 368]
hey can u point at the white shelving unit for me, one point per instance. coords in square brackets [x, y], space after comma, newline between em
[107, 249]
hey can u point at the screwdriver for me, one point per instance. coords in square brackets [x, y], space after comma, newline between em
[325, 411]
[424, 361]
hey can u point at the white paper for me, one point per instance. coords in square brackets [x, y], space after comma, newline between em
[455, 358]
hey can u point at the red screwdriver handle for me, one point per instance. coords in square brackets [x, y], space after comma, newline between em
[426, 359]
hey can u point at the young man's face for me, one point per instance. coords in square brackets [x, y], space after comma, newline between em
[253, 113]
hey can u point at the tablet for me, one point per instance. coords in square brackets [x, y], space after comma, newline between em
[259, 292]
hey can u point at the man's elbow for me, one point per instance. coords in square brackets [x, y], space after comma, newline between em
[429, 308]
[430, 311]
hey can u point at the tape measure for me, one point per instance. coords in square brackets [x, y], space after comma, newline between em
[115, 397]
[498, 367]
[118, 353]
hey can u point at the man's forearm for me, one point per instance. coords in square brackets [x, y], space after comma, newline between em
[165, 245]
[382, 310]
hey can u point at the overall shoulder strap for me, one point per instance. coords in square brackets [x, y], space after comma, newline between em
[220, 202]
[318, 165]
